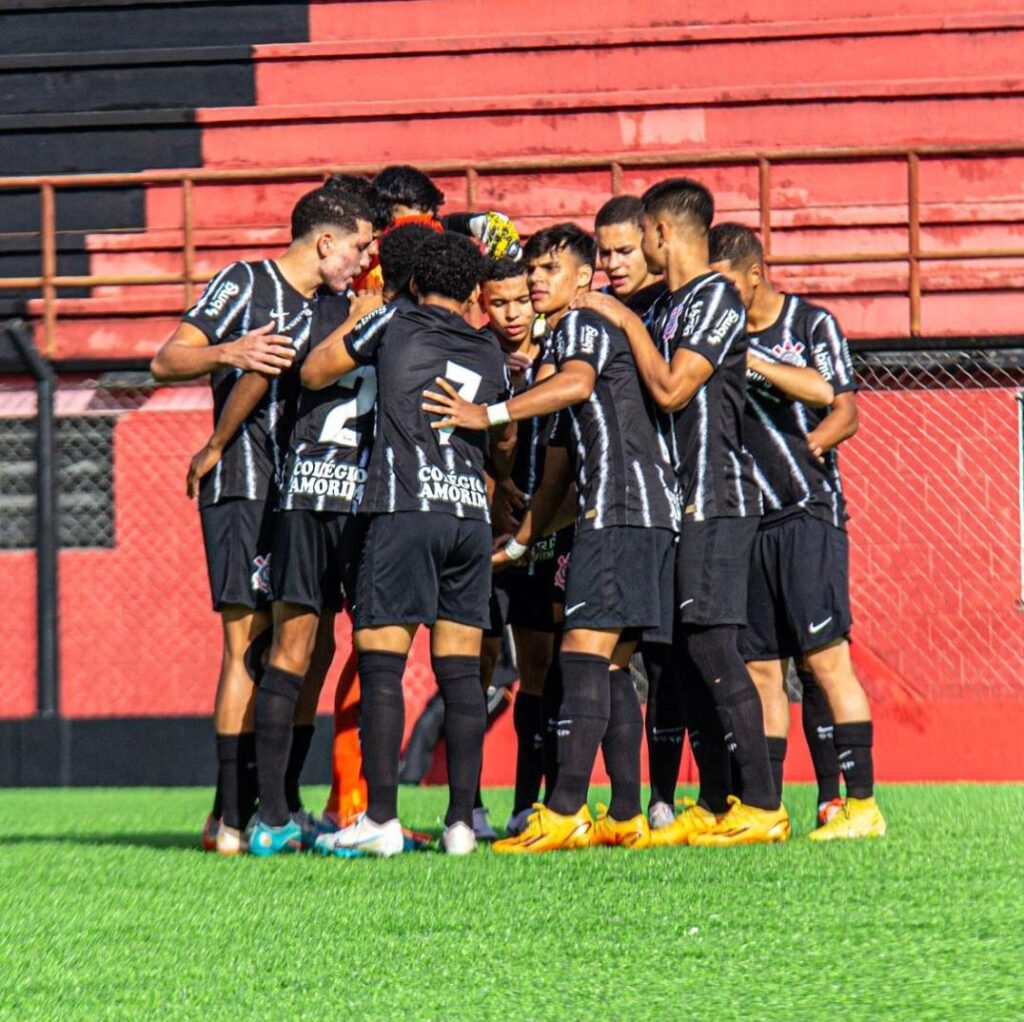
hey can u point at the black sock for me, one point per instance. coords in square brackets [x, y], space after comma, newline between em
[777, 757]
[621, 745]
[551, 705]
[665, 722]
[528, 717]
[227, 781]
[302, 736]
[818, 725]
[714, 653]
[218, 801]
[381, 722]
[248, 778]
[853, 744]
[275, 710]
[580, 726]
[465, 721]
[707, 740]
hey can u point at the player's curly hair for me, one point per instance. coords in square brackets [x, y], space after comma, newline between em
[735, 244]
[448, 265]
[504, 268]
[682, 198]
[362, 188]
[328, 207]
[623, 209]
[398, 248]
[406, 186]
[568, 236]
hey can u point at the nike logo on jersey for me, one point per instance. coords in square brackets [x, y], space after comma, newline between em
[686, 602]
[575, 607]
[814, 629]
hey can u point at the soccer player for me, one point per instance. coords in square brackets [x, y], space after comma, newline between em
[700, 377]
[799, 598]
[426, 559]
[618, 229]
[522, 597]
[254, 317]
[619, 580]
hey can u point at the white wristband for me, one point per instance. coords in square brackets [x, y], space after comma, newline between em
[515, 550]
[497, 415]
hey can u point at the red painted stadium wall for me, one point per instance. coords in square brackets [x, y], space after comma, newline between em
[935, 570]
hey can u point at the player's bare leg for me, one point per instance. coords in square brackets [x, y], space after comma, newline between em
[233, 720]
[833, 670]
[769, 677]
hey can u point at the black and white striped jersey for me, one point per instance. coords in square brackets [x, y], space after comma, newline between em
[621, 462]
[333, 434]
[714, 469]
[776, 428]
[243, 297]
[414, 467]
[531, 437]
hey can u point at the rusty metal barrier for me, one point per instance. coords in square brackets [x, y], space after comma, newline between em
[50, 282]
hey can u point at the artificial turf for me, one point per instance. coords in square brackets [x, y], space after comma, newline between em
[108, 910]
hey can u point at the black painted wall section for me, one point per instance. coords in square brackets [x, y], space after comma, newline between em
[126, 752]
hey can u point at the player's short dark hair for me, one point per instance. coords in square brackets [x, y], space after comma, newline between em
[504, 268]
[362, 188]
[623, 209]
[328, 207]
[683, 198]
[734, 244]
[398, 248]
[404, 185]
[568, 236]
[449, 265]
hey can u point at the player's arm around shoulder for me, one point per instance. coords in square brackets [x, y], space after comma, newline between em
[350, 345]
[799, 383]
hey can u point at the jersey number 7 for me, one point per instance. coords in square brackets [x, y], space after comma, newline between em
[470, 384]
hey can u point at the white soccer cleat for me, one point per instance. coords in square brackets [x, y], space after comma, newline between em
[364, 837]
[661, 814]
[517, 821]
[459, 839]
[482, 826]
[230, 841]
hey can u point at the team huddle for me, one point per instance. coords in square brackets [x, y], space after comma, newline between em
[420, 421]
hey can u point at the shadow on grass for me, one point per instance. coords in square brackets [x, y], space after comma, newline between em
[164, 841]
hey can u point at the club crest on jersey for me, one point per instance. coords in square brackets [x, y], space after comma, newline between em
[260, 580]
[671, 324]
[228, 290]
[725, 323]
[791, 352]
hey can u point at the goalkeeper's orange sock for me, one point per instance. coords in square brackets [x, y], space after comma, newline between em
[348, 785]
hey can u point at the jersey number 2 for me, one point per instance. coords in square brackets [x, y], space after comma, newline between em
[470, 384]
[361, 386]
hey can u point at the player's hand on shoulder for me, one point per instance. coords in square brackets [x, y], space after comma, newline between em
[262, 351]
[604, 305]
[456, 411]
[366, 302]
[202, 464]
[518, 363]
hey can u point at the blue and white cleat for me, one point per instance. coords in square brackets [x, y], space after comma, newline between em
[312, 827]
[265, 841]
[364, 837]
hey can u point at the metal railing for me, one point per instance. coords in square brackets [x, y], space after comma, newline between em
[49, 281]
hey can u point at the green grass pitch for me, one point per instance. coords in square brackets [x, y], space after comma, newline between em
[109, 911]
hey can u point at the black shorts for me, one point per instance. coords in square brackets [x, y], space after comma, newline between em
[238, 535]
[799, 597]
[419, 567]
[314, 557]
[523, 599]
[621, 577]
[712, 569]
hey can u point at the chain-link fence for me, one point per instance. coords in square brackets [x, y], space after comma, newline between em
[933, 481]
